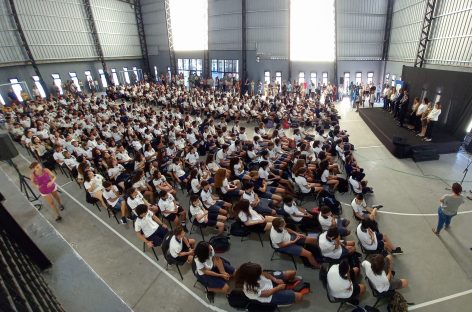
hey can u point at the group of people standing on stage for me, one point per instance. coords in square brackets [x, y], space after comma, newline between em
[421, 116]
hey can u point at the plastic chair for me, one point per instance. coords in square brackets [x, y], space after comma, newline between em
[379, 295]
[281, 252]
[169, 259]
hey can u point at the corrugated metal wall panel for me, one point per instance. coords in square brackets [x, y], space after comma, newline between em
[406, 27]
[116, 27]
[451, 34]
[56, 30]
[360, 29]
[11, 50]
[268, 27]
[154, 20]
[224, 25]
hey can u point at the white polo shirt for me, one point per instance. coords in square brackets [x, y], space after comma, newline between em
[111, 194]
[250, 197]
[292, 210]
[380, 282]
[253, 216]
[358, 208]
[192, 158]
[135, 202]
[364, 238]
[278, 238]
[166, 205]
[338, 286]
[207, 199]
[256, 294]
[175, 247]
[325, 222]
[328, 249]
[146, 224]
[208, 264]
[302, 184]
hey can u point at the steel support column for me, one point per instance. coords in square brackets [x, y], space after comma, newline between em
[289, 43]
[243, 41]
[25, 45]
[386, 41]
[142, 37]
[94, 33]
[335, 80]
[170, 39]
[206, 52]
[425, 29]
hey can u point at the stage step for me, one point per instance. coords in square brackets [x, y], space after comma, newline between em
[424, 153]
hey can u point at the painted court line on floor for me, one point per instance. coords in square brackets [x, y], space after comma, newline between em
[428, 303]
[65, 184]
[188, 290]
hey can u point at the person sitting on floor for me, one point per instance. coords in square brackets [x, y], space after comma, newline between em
[266, 287]
[290, 242]
[379, 270]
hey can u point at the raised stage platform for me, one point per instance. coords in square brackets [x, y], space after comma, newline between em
[406, 142]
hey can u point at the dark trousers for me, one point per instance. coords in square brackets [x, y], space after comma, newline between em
[429, 129]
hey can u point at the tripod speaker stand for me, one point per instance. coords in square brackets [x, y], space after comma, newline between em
[7, 153]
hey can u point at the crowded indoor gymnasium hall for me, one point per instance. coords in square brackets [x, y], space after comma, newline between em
[260, 160]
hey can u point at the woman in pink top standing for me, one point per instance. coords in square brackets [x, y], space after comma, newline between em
[45, 181]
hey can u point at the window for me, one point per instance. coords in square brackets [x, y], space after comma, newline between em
[347, 80]
[187, 37]
[114, 77]
[126, 74]
[313, 79]
[358, 78]
[103, 78]
[57, 82]
[393, 80]
[135, 71]
[301, 77]
[73, 76]
[222, 68]
[38, 85]
[278, 77]
[88, 76]
[325, 79]
[17, 88]
[267, 77]
[309, 15]
[370, 78]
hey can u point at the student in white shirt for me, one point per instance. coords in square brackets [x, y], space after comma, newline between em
[139, 181]
[192, 157]
[181, 248]
[114, 199]
[135, 198]
[328, 220]
[171, 210]
[212, 202]
[160, 183]
[304, 185]
[253, 220]
[93, 183]
[299, 215]
[432, 118]
[360, 209]
[266, 287]
[372, 240]
[212, 271]
[290, 242]
[148, 227]
[331, 245]
[237, 166]
[261, 205]
[340, 285]
[201, 215]
[379, 271]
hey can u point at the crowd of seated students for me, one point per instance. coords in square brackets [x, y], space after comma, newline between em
[136, 146]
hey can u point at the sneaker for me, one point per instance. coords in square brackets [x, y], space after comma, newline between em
[427, 139]
[62, 207]
[377, 206]
[123, 220]
[210, 296]
[397, 250]
[59, 218]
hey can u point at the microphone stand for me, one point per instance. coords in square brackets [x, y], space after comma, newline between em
[24, 185]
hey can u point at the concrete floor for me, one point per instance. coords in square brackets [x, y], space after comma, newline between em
[437, 267]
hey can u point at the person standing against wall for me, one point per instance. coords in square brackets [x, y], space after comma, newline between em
[450, 203]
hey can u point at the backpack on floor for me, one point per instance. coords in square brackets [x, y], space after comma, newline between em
[238, 300]
[220, 243]
[239, 229]
[343, 185]
[330, 201]
[397, 303]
